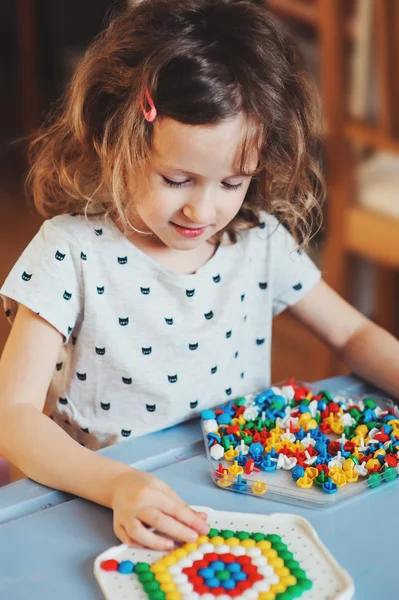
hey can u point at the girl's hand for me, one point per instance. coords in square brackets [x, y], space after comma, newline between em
[141, 500]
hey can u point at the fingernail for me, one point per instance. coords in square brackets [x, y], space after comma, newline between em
[169, 544]
[193, 536]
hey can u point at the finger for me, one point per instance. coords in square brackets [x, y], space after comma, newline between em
[122, 535]
[147, 538]
[176, 497]
[181, 511]
[138, 546]
[166, 524]
[165, 488]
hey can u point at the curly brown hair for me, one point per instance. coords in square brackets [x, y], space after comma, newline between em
[202, 61]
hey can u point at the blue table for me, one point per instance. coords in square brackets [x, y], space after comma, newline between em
[48, 540]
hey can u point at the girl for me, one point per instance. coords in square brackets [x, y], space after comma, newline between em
[178, 183]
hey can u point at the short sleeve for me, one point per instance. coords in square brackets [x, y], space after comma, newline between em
[47, 279]
[294, 274]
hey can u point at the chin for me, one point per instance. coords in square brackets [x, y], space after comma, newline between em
[185, 243]
[181, 243]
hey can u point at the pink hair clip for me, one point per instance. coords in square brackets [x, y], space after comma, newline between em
[152, 113]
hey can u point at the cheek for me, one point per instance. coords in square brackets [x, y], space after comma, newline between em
[159, 203]
[232, 201]
[243, 195]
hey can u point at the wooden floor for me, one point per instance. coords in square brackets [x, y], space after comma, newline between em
[294, 348]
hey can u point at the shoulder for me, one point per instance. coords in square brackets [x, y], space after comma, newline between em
[276, 234]
[265, 234]
[70, 226]
[78, 230]
[272, 226]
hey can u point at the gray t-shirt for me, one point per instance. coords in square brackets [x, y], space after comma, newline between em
[146, 347]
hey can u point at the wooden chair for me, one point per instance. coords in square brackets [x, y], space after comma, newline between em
[353, 230]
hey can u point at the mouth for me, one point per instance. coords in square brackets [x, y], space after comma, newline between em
[189, 232]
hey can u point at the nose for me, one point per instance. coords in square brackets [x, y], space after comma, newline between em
[200, 207]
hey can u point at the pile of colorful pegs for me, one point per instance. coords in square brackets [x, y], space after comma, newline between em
[324, 440]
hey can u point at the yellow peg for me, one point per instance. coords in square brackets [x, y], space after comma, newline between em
[168, 587]
[278, 588]
[372, 463]
[348, 465]
[379, 452]
[259, 488]
[299, 446]
[334, 470]
[351, 475]
[277, 430]
[226, 480]
[231, 453]
[312, 424]
[339, 478]
[304, 418]
[362, 431]
[164, 577]
[267, 595]
[331, 420]
[235, 469]
[312, 472]
[305, 482]
[337, 427]
[173, 596]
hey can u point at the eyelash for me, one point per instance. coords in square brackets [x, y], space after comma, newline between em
[177, 184]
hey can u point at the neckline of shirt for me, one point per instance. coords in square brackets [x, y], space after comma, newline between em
[163, 272]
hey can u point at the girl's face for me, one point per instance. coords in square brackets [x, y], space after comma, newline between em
[193, 187]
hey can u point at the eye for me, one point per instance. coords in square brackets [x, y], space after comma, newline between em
[174, 184]
[231, 187]
[178, 184]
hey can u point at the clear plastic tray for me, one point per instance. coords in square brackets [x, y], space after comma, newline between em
[330, 580]
[280, 485]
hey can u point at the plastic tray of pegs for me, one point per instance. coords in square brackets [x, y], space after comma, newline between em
[302, 444]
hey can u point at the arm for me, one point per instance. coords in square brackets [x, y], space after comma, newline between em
[370, 351]
[28, 438]
[45, 452]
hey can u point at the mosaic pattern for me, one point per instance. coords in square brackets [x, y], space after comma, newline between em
[223, 565]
